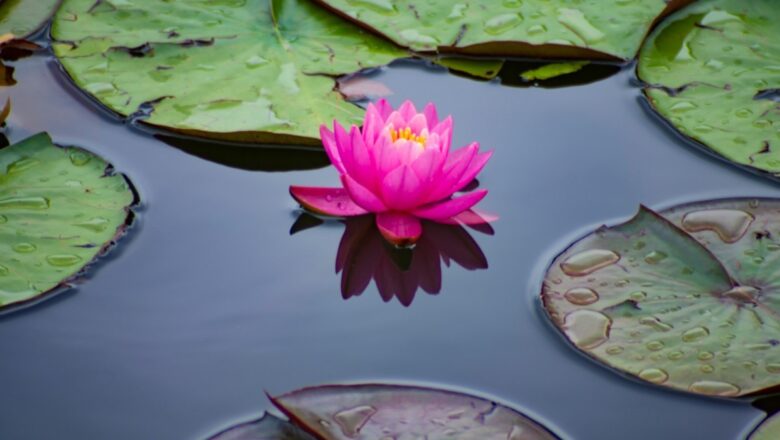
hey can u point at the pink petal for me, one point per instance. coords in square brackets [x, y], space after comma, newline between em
[344, 145]
[361, 164]
[386, 157]
[473, 169]
[456, 165]
[327, 201]
[401, 189]
[372, 125]
[431, 115]
[418, 123]
[442, 211]
[445, 125]
[407, 110]
[331, 149]
[362, 195]
[396, 120]
[399, 229]
[384, 108]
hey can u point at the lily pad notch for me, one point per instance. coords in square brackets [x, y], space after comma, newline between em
[685, 298]
[61, 210]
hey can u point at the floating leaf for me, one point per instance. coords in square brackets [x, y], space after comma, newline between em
[253, 71]
[23, 18]
[769, 429]
[480, 68]
[267, 427]
[553, 70]
[712, 70]
[60, 208]
[533, 28]
[686, 299]
[373, 412]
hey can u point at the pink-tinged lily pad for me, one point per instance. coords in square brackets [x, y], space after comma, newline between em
[373, 412]
[266, 427]
[687, 299]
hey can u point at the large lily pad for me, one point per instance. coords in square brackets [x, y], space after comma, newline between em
[688, 299]
[372, 412]
[769, 429]
[60, 208]
[23, 18]
[536, 28]
[242, 70]
[712, 71]
[267, 427]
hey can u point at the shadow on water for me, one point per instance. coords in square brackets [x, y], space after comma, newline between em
[364, 255]
[251, 158]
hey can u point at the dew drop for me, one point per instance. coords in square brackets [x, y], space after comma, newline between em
[458, 11]
[575, 20]
[537, 29]
[415, 37]
[654, 375]
[587, 328]
[22, 164]
[654, 345]
[24, 248]
[24, 203]
[655, 323]
[695, 334]
[705, 356]
[637, 295]
[682, 106]
[502, 23]
[614, 350]
[581, 296]
[773, 368]
[675, 355]
[79, 158]
[353, 419]
[589, 261]
[63, 260]
[729, 224]
[382, 6]
[714, 388]
[655, 257]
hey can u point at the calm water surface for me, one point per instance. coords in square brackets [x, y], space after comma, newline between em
[210, 301]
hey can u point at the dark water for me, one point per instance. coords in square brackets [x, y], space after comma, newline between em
[210, 301]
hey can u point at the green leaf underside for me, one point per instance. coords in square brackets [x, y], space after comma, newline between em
[386, 411]
[267, 427]
[711, 60]
[24, 17]
[553, 70]
[485, 68]
[58, 211]
[223, 69]
[688, 301]
[537, 28]
[769, 429]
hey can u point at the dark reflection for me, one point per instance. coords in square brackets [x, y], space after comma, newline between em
[512, 70]
[363, 256]
[250, 157]
[769, 404]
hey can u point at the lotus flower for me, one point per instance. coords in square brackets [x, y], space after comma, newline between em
[399, 167]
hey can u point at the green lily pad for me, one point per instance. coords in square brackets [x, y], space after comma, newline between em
[385, 411]
[241, 70]
[23, 18]
[267, 427]
[688, 299]
[533, 28]
[60, 208]
[712, 70]
[553, 70]
[769, 429]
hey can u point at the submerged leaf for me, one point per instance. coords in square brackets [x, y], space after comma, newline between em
[254, 70]
[266, 427]
[23, 18]
[687, 299]
[711, 69]
[553, 70]
[60, 208]
[534, 28]
[373, 412]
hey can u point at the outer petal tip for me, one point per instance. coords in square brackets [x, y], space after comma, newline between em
[327, 201]
[399, 229]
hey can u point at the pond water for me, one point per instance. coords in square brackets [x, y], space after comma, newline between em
[209, 301]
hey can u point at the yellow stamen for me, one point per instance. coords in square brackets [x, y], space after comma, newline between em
[406, 134]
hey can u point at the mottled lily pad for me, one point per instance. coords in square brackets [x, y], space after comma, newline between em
[60, 208]
[267, 427]
[533, 28]
[251, 71]
[372, 412]
[23, 18]
[688, 299]
[713, 71]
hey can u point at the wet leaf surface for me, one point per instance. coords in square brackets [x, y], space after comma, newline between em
[711, 70]
[60, 208]
[687, 299]
[267, 427]
[23, 18]
[546, 29]
[384, 411]
[250, 71]
[769, 429]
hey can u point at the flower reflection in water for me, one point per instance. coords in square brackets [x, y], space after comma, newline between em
[364, 255]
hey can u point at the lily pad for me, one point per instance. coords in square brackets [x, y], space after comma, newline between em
[22, 18]
[60, 208]
[373, 412]
[769, 429]
[267, 427]
[686, 299]
[533, 28]
[250, 71]
[713, 71]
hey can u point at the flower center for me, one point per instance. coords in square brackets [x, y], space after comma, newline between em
[406, 134]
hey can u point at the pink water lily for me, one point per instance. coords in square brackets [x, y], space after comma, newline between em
[399, 166]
